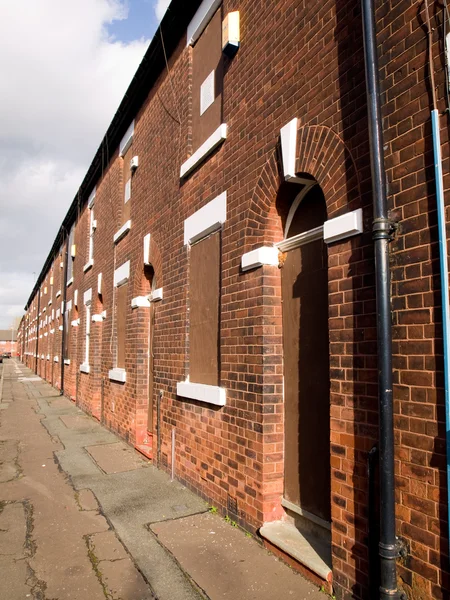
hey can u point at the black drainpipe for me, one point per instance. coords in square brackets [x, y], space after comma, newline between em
[374, 524]
[64, 294]
[382, 229]
[37, 329]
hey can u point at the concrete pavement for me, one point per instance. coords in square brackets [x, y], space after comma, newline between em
[85, 517]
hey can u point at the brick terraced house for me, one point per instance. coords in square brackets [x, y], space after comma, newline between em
[211, 293]
[8, 341]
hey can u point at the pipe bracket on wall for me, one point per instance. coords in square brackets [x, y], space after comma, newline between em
[383, 229]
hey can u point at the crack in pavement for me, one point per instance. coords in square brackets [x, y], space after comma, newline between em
[22, 525]
[94, 562]
[53, 559]
[10, 448]
[37, 586]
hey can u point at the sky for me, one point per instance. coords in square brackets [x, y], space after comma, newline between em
[65, 67]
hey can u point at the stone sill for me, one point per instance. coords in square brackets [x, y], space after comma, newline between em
[119, 375]
[210, 394]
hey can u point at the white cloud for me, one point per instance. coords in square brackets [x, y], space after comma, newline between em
[34, 199]
[14, 287]
[160, 8]
[63, 78]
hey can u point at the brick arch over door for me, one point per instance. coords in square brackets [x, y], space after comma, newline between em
[322, 154]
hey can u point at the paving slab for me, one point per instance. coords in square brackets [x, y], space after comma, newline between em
[122, 580]
[13, 529]
[14, 577]
[9, 453]
[77, 422]
[116, 458]
[87, 500]
[106, 546]
[57, 402]
[210, 549]
[9, 450]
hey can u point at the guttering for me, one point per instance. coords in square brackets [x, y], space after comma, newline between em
[382, 229]
[164, 43]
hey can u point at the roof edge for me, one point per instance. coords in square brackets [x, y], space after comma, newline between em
[171, 29]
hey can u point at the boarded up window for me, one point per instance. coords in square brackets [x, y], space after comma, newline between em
[121, 312]
[88, 333]
[207, 82]
[204, 286]
[91, 234]
[67, 328]
[69, 254]
[126, 187]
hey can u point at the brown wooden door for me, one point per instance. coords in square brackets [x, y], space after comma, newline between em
[306, 379]
[151, 357]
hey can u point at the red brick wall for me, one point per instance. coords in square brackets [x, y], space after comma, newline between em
[422, 510]
[306, 61]
[8, 346]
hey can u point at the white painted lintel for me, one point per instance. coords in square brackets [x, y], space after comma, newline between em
[204, 151]
[122, 231]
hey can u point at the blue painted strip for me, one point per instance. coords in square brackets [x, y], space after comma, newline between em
[444, 282]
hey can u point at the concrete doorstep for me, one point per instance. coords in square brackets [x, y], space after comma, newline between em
[83, 516]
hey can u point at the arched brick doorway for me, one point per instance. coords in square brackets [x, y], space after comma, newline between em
[306, 357]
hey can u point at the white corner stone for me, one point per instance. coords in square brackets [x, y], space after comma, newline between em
[343, 227]
[156, 295]
[266, 255]
[140, 302]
